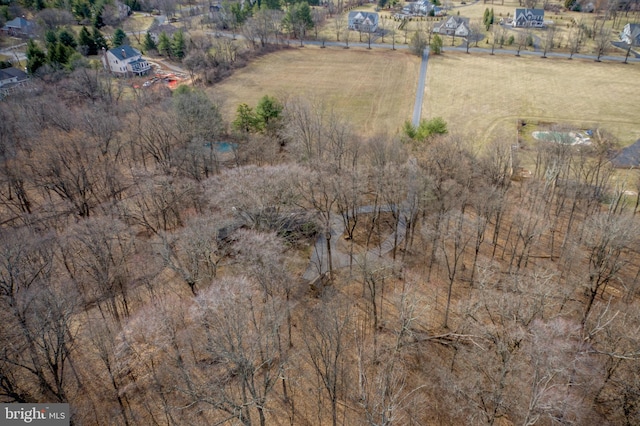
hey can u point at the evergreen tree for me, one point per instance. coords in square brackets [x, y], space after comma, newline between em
[99, 40]
[119, 38]
[148, 43]
[35, 57]
[268, 111]
[86, 42]
[436, 44]
[271, 4]
[240, 14]
[486, 18]
[133, 4]
[164, 44]
[81, 9]
[59, 55]
[177, 45]
[50, 37]
[298, 19]
[246, 120]
[67, 38]
[97, 17]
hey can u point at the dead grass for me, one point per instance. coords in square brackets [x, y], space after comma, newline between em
[139, 22]
[482, 96]
[372, 89]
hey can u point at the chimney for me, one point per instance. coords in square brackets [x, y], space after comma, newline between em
[124, 54]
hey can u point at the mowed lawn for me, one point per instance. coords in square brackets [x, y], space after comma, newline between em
[372, 89]
[483, 96]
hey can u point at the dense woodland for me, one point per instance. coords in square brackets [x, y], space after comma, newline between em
[147, 278]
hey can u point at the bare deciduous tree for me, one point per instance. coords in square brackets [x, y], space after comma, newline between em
[328, 327]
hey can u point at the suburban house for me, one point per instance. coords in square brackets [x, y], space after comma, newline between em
[125, 61]
[363, 21]
[422, 7]
[10, 79]
[19, 27]
[631, 34]
[454, 26]
[529, 18]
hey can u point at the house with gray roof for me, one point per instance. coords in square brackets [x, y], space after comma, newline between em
[631, 34]
[10, 79]
[125, 61]
[366, 22]
[19, 27]
[453, 26]
[528, 18]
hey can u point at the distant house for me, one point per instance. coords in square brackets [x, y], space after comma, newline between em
[19, 27]
[125, 61]
[631, 34]
[366, 22]
[10, 79]
[421, 7]
[529, 18]
[454, 26]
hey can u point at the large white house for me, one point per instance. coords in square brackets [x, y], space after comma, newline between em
[125, 61]
[366, 22]
[455, 25]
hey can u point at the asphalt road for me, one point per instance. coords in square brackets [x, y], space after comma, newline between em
[417, 107]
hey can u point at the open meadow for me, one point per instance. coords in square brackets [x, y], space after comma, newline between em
[481, 95]
[374, 90]
[478, 95]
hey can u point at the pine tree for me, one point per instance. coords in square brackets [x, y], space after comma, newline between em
[436, 44]
[99, 40]
[148, 43]
[97, 17]
[119, 38]
[68, 39]
[86, 42]
[486, 18]
[177, 45]
[35, 57]
[164, 44]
